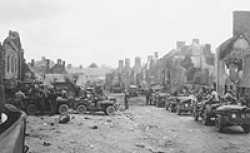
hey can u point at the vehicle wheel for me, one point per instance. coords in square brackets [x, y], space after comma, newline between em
[195, 115]
[246, 128]
[31, 109]
[81, 109]
[178, 110]
[218, 124]
[170, 108]
[205, 119]
[167, 108]
[109, 110]
[63, 109]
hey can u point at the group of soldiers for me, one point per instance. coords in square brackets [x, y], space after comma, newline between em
[43, 95]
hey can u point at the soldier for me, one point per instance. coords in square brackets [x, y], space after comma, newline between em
[20, 96]
[126, 96]
[150, 96]
[147, 96]
[52, 100]
[64, 93]
[215, 95]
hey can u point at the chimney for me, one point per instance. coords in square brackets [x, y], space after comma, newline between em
[59, 61]
[241, 23]
[208, 47]
[156, 55]
[47, 65]
[180, 44]
[127, 62]
[196, 41]
[32, 62]
[137, 62]
[120, 64]
[63, 63]
[43, 58]
[150, 58]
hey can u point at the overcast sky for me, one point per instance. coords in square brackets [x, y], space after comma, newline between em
[103, 31]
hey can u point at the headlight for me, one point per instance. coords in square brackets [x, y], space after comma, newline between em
[233, 115]
[243, 115]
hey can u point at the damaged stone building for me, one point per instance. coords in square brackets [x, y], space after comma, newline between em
[233, 58]
[186, 64]
[13, 60]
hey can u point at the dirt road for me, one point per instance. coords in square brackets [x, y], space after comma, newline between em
[141, 129]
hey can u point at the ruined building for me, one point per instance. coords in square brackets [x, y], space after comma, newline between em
[186, 64]
[58, 68]
[2, 95]
[13, 59]
[233, 58]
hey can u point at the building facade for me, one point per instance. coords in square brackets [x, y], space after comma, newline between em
[13, 59]
[2, 95]
[233, 59]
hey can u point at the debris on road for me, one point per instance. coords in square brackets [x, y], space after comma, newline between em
[46, 143]
[109, 120]
[94, 127]
[140, 145]
[87, 118]
[63, 119]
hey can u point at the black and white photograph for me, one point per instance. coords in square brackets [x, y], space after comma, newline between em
[124, 76]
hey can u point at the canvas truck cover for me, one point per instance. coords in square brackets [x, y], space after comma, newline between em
[12, 131]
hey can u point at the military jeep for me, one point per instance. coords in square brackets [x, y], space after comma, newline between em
[232, 115]
[171, 104]
[160, 100]
[184, 105]
[205, 110]
[83, 105]
[32, 106]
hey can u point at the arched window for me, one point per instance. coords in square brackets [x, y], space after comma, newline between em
[8, 63]
[15, 65]
[12, 63]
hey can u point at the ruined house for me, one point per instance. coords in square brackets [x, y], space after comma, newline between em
[233, 58]
[58, 68]
[186, 64]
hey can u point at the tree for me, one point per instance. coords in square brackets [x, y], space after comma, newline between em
[93, 65]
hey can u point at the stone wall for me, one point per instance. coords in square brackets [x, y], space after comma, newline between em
[2, 97]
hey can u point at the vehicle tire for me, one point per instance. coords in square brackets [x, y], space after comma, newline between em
[109, 110]
[63, 109]
[195, 115]
[170, 108]
[178, 110]
[81, 109]
[246, 128]
[167, 108]
[205, 119]
[219, 123]
[31, 109]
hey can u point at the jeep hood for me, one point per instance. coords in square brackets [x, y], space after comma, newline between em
[231, 108]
